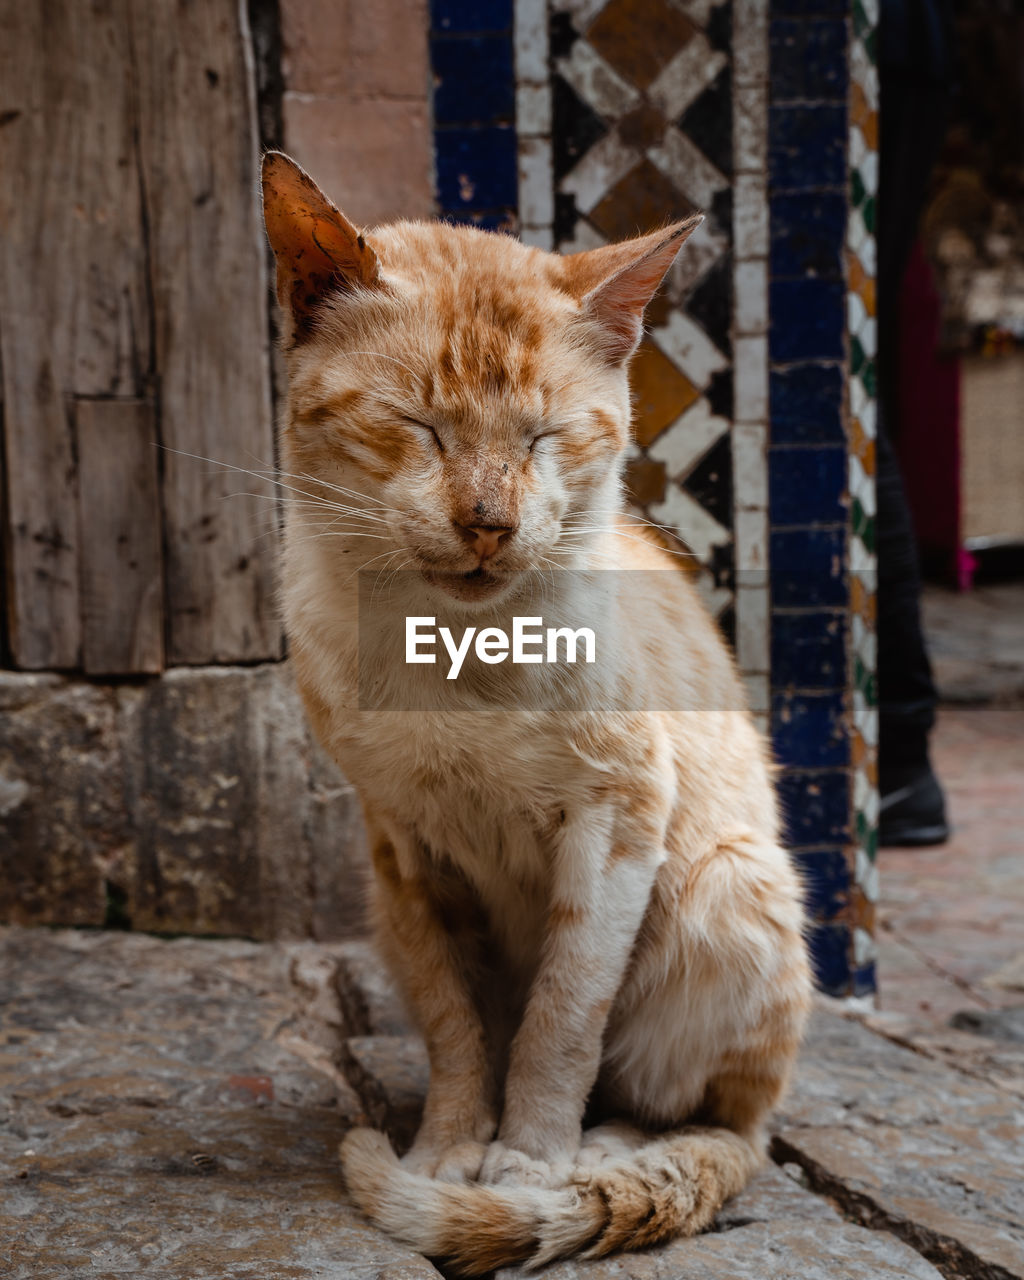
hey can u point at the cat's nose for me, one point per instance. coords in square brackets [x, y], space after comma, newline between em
[484, 539]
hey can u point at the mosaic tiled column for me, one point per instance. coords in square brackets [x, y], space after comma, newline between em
[753, 388]
[821, 470]
[624, 116]
[863, 347]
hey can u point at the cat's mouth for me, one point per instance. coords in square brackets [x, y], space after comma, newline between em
[478, 584]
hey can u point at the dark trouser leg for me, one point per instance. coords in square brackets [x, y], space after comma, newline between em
[913, 810]
[906, 691]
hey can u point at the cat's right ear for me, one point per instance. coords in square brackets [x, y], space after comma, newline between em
[318, 251]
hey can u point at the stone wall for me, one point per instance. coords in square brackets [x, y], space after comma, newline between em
[196, 802]
[356, 108]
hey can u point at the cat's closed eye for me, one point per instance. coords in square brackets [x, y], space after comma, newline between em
[427, 429]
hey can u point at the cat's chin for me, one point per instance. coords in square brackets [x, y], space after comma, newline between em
[471, 588]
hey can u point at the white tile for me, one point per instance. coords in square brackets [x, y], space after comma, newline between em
[757, 697]
[856, 312]
[752, 630]
[584, 237]
[699, 255]
[539, 237]
[688, 167]
[869, 171]
[868, 335]
[533, 110]
[856, 147]
[597, 83]
[750, 128]
[868, 416]
[536, 195]
[862, 486]
[750, 216]
[863, 73]
[715, 598]
[749, 41]
[750, 535]
[686, 76]
[688, 439]
[867, 251]
[699, 530]
[865, 949]
[750, 466]
[531, 40]
[750, 379]
[689, 348]
[859, 398]
[856, 232]
[583, 11]
[750, 296]
[598, 170]
[698, 11]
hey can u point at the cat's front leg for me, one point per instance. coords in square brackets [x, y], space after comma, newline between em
[606, 861]
[459, 1118]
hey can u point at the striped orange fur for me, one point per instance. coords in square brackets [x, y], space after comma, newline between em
[584, 899]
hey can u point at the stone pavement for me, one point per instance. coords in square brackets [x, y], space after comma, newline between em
[976, 642]
[951, 918]
[171, 1110]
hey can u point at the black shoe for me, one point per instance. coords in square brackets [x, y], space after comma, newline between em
[913, 811]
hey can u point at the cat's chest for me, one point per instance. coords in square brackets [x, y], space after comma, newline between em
[477, 795]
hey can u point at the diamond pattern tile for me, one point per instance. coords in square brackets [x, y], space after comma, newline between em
[644, 198]
[660, 392]
[641, 108]
[638, 37]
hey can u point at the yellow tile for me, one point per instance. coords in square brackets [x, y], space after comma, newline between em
[660, 392]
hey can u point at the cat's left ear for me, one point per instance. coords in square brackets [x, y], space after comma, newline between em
[616, 282]
[318, 250]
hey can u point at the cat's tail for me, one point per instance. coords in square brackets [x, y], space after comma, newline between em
[671, 1187]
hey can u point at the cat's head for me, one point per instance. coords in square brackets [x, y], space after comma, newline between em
[471, 389]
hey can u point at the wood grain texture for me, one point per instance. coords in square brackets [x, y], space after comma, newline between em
[73, 288]
[197, 124]
[119, 524]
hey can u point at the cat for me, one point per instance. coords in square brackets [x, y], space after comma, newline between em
[577, 883]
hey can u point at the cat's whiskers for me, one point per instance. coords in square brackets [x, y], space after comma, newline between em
[268, 479]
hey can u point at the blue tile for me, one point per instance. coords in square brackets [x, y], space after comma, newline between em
[806, 404]
[808, 650]
[809, 730]
[471, 15]
[473, 80]
[807, 485]
[815, 806]
[865, 981]
[808, 320]
[808, 60]
[830, 958]
[825, 876]
[808, 568]
[807, 233]
[807, 147]
[476, 169]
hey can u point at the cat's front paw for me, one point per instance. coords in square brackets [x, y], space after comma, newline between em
[506, 1167]
[460, 1162]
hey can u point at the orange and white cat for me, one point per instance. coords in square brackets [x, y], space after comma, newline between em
[579, 887]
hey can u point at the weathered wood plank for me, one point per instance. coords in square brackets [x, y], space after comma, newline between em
[199, 158]
[119, 525]
[73, 288]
